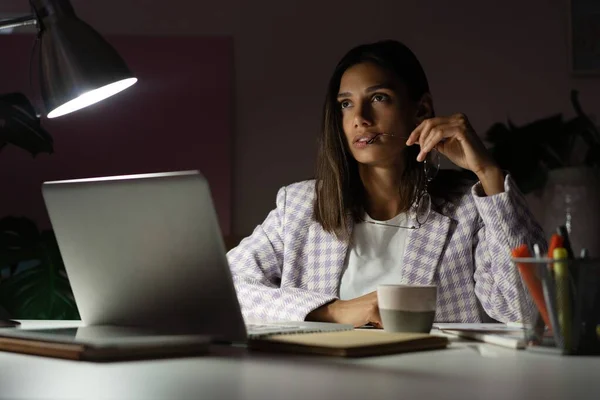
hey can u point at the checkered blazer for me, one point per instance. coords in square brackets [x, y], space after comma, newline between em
[290, 266]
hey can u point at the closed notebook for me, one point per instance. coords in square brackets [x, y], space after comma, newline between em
[356, 343]
[100, 344]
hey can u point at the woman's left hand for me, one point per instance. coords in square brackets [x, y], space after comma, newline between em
[454, 137]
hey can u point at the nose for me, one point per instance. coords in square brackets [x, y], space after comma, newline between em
[362, 116]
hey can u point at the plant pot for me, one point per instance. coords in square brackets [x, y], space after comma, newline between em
[572, 198]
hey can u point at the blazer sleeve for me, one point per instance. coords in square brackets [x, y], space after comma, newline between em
[256, 266]
[506, 223]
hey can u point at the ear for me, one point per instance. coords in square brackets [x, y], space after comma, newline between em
[424, 108]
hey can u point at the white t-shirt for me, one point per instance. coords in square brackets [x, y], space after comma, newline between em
[374, 256]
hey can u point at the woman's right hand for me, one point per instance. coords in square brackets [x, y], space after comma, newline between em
[357, 312]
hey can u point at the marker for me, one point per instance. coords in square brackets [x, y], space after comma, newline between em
[534, 286]
[563, 301]
[555, 241]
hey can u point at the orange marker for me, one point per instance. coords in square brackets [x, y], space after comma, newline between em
[533, 283]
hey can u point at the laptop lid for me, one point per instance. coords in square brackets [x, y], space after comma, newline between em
[146, 251]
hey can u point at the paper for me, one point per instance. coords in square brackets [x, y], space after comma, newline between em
[511, 336]
[489, 327]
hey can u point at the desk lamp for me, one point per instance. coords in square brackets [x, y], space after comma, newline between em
[77, 69]
[77, 66]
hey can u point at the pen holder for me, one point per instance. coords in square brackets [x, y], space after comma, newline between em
[560, 303]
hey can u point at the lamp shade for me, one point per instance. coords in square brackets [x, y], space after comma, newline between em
[77, 66]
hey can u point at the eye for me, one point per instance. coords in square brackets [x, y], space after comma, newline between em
[344, 104]
[380, 97]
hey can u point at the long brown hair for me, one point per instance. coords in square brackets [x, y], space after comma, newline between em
[340, 194]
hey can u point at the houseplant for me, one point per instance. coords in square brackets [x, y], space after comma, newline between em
[530, 152]
[558, 161]
[33, 282]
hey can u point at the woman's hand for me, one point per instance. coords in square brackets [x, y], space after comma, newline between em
[454, 137]
[356, 312]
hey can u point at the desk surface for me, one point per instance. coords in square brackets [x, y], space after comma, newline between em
[465, 370]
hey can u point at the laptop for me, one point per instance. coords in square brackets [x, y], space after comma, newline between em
[146, 252]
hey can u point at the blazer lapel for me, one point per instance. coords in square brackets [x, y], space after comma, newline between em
[424, 249]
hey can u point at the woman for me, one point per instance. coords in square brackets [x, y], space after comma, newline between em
[376, 212]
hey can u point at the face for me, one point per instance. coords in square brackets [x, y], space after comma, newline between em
[372, 102]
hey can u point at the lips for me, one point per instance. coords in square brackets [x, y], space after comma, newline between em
[365, 137]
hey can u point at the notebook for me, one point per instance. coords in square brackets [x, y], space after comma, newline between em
[101, 343]
[355, 343]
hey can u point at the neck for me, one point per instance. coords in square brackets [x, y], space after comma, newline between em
[383, 200]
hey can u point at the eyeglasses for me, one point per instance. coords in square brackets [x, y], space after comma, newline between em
[431, 165]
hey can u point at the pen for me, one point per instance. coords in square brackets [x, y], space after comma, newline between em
[549, 292]
[550, 296]
[562, 231]
[555, 241]
[574, 282]
[532, 282]
[561, 273]
[573, 272]
[539, 325]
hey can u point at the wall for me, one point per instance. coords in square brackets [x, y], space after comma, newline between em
[489, 59]
[177, 117]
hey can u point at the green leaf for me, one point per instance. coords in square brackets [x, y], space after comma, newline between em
[42, 291]
[530, 151]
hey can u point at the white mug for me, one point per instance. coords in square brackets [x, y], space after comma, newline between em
[407, 308]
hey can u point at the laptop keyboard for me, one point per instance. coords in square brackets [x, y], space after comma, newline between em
[257, 328]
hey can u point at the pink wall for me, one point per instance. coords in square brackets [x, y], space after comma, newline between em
[492, 60]
[489, 59]
[177, 117]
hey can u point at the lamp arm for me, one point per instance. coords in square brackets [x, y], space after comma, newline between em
[18, 21]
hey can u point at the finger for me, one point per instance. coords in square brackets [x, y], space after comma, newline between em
[414, 135]
[424, 126]
[437, 135]
[427, 136]
[377, 325]
[432, 140]
[441, 146]
[376, 318]
[429, 127]
[424, 132]
[437, 138]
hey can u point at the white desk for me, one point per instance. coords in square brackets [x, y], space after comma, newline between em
[463, 371]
